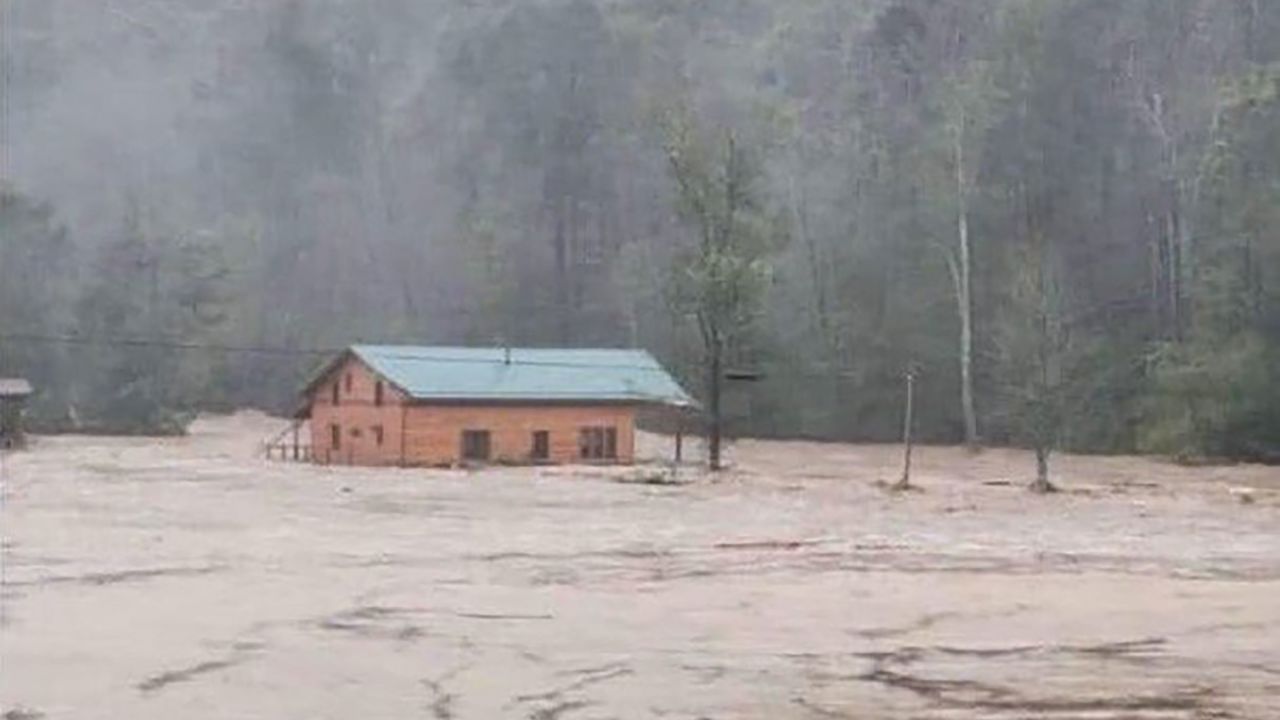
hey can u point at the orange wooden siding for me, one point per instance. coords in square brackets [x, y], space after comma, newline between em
[431, 434]
[357, 418]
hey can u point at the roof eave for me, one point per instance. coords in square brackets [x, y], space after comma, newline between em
[351, 353]
[319, 375]
[559, 399]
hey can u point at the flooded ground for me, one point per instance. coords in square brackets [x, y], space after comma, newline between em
[186, 578]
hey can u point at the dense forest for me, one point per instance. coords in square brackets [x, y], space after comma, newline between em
[1064, 215]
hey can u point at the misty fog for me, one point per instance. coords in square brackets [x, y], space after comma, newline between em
[1062, 213]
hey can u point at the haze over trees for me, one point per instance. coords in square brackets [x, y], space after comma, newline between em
[1064, 213]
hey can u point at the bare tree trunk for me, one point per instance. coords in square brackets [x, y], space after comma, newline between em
[1252, 278]
[1173, 253]
[713, 335]
[715, 428]
[817, 276]
[964, 300]
[562, 272]
[1157, 281]
[633, 324]
[576, 253]
[1042, 484]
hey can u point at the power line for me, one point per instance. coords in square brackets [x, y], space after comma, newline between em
[164, 344]
[389, 352]
[392, 352]
[161, 344]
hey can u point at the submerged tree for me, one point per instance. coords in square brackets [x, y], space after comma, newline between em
[1033, 343]
[155, 300]
[721, 281]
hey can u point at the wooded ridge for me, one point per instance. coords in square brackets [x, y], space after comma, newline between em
[1063, 214]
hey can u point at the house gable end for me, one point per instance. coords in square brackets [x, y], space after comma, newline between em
[317, 390]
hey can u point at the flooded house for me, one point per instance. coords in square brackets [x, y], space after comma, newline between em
[441, 406]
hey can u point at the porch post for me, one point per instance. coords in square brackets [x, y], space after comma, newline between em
[679, 437]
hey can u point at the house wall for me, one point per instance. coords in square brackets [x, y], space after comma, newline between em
[422, 434]
[356, 416]
[433, 433]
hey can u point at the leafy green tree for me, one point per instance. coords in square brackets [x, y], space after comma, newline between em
[1216, 393]
[37, 272]
[721, 282]
[155, 302]
[544, 80]
[434, 171]
[1034, 345]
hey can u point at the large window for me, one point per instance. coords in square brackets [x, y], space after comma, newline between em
[598, 443]
[335, 393]
[475, 445]
[377, 393]
[541, 449]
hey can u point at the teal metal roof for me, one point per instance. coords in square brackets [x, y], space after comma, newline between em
[458, 373]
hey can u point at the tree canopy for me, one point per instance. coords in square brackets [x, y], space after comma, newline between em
[302, 175]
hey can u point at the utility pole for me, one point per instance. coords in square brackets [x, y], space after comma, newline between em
[905, 482]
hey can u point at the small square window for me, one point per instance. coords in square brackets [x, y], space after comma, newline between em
[598, 443]
[541, 449]
[475, 445]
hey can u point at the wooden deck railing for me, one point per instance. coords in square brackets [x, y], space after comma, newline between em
[287, 445]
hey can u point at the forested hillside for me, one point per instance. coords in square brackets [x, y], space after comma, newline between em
[1064, 213]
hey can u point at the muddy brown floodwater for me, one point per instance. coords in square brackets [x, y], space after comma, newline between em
[186, 578]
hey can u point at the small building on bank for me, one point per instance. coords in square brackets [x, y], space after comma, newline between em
[443, 406]
[14, 394]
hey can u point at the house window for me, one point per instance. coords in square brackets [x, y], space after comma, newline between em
[355, 432]
[335, 393]
[377, 393]
[349, 383]
[335, 435]
[541, 449]
[475, 445]
[598, 443]
[377, 434]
